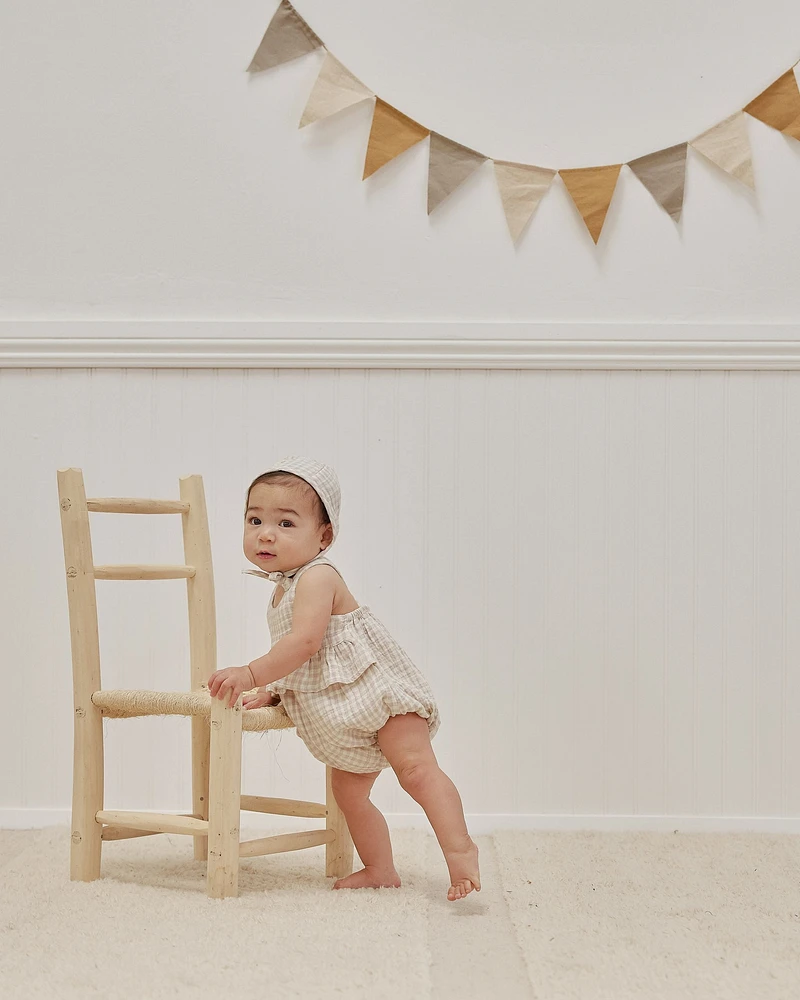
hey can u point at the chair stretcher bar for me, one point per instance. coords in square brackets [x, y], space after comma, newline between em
[122, 824]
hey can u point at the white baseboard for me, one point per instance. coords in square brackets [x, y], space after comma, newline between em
[428, 345]
[478, 823]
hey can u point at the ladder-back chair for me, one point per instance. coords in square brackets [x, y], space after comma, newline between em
[216, 729]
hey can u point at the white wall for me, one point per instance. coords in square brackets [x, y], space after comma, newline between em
[596, 570]
[146, 175]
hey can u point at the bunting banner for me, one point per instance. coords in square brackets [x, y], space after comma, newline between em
[287, 37]
[727, 146]
[336, 89]
[592, 188]
[522, 186]
[449, 164]
[779, 105]
[391, 134]
[663, 174]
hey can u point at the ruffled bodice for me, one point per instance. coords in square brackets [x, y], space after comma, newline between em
[352, 642]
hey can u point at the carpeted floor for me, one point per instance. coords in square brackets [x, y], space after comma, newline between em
[562, 916]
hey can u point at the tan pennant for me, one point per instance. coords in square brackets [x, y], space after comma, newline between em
[391, 134]
[449, 165]
[779, 105]
[287, 37]
[521, 188]
[726, 145]
[592, 189]
[336, 89]
[664, 175]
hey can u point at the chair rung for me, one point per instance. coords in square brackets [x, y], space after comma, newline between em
[127, 833]
[283, 807]
[133, 505]
[134, 572]
[285, 842]
[154, 822]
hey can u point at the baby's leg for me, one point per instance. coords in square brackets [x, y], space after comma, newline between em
[367, 828]
[405, 741]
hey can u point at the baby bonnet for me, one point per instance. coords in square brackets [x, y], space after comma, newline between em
[322, 477]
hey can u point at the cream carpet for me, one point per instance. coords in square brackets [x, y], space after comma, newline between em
[562, 916]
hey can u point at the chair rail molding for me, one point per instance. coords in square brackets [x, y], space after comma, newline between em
[184, 343]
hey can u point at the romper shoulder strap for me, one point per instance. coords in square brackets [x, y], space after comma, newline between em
[320, 560]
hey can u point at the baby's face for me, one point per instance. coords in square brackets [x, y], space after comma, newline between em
[281, 530]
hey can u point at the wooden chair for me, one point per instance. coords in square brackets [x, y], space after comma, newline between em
[216, 747]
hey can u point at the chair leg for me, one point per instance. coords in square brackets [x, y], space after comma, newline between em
[339, 851]
[224, 800]
[87, 794]
[201, 742]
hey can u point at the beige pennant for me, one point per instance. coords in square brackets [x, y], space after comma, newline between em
[391, 134]
[592, 189]
[779, 104]
[521, 188]
[287, 37]
[664, 175]
[727, 146]
[336, 89]
[449, 165]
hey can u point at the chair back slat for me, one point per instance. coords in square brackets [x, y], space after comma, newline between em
[200, 587]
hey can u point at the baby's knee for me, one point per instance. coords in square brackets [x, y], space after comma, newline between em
[416, 774]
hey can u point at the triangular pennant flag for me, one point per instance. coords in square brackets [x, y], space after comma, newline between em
[287, 37]
[391, 134]
[779, 104]
[592, 189]
[449, 165]
[336, 89]
[664, 175]
[726, 145]
[521, 188]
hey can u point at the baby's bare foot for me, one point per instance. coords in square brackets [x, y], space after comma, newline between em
[370, 878]
[464, 872]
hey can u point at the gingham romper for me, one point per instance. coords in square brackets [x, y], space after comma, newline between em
[341, 697]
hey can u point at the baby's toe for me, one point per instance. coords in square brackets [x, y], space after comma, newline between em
[459, 889]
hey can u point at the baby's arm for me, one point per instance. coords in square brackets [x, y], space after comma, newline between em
[311, 614]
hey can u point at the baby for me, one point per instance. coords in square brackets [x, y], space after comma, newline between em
[354, 696]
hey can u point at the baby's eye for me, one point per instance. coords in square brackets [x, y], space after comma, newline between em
[286, 522]
[253, 518]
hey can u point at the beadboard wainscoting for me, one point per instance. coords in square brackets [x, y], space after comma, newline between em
[596, 564]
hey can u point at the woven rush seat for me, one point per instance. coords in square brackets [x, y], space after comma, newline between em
[129, 704]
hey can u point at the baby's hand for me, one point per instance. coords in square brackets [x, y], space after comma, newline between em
[261, 698]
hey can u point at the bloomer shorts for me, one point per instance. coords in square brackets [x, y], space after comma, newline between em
[339, 724]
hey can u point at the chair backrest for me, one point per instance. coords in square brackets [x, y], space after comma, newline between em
[82, 573]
